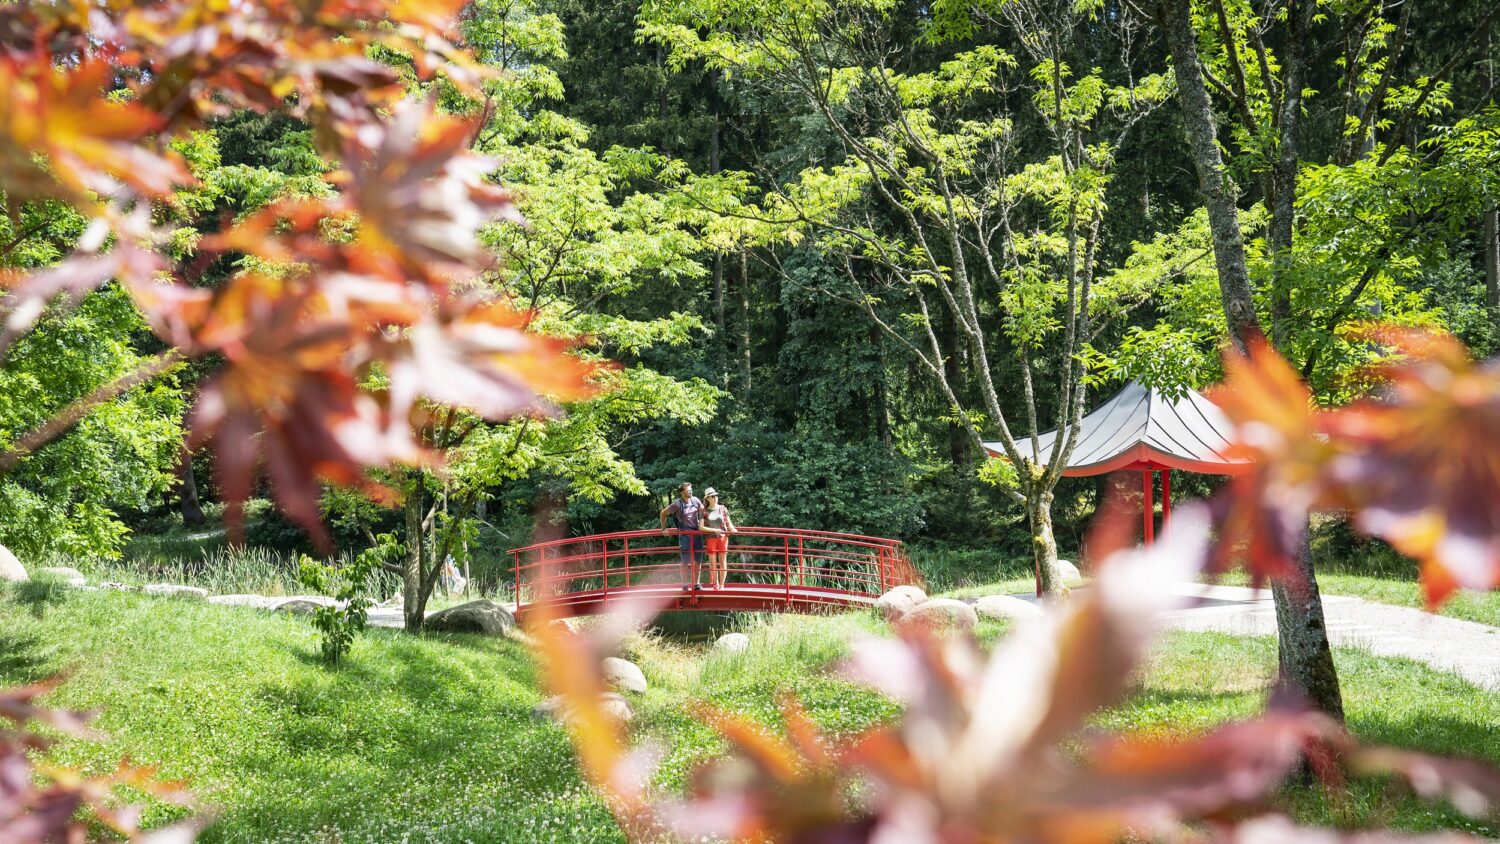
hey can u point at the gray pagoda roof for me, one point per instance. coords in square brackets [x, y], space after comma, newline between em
[1141, 428]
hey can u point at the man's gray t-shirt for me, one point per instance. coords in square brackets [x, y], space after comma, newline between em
[686, 512]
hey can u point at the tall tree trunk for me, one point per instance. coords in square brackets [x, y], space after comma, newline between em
[1491, 240]
[960, 450]
[1043, 542]
[1306, 660]
[744, 350]
[721, 339]
[882, 409]
[1304, 657]
[1284, 171]
[192, 510]
[661, 100]
[414, 603]
[1218, 189]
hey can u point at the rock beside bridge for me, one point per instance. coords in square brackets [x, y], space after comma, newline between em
[943, 613]
[11, 570]
[900, 600]
[482, 616]
[732, 643]
[260, 602]
[1006, 608]
[70, 576]
[612, 704]
[624, 675]
[173, 590]
[297, 606]
[1067, 571]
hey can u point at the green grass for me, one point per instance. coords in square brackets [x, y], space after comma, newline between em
[947, 568]
[1194, 680]
[431, 734]
[1482, 607]
[431, 738]
[1011, 586]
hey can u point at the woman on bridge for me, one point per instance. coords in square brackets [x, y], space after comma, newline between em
[718, 526]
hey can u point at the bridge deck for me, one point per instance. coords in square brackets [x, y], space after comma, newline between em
[734, 597]
[767, 570]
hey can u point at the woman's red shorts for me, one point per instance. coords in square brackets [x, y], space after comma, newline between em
[716, 545]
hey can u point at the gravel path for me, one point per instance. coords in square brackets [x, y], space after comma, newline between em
[1466, 648]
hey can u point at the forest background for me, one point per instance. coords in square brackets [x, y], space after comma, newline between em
[691, 218]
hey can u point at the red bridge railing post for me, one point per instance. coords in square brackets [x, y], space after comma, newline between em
[604, 567]
[786, 562]
[518, 581]
[627, 562]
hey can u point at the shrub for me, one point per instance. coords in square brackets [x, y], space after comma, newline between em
[349, 585]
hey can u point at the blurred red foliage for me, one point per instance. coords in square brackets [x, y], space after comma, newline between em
[45, 803]
[1416, 464]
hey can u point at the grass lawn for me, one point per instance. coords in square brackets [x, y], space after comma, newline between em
[1483, 607]
[431, 738]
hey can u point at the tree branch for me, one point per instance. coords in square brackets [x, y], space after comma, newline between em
[75, 412]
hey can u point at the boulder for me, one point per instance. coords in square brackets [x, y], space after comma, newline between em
[624, 675]
[571, 624]
[297, 606]
[912, 593]
[260, 602]
[1067, 571]
[60, 572]
[900, 600]
[174, 590]
[548, 707]
[11, 570]
[732, 643]
[617, 708]
[70, 576]
[613, 704]
[943, 612]
[1005, 607]
[481, 616]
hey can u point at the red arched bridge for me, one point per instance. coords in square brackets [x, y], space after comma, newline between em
[768, 570]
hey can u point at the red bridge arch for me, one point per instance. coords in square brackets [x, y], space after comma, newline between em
[769, 570]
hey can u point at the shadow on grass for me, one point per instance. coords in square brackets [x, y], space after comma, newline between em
[40, 593]
[403, 724]
[24, 658]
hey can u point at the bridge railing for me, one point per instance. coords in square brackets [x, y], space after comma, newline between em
[766, 557]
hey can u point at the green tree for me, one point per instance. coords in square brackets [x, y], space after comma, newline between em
[64, 497]
[589, 241]
[934, 204]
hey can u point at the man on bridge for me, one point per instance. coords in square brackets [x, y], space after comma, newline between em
[685, 512]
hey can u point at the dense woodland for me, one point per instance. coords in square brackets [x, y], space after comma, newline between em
[831, 250]
[319, 296]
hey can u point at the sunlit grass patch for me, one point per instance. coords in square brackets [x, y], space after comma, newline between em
[432, 738]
